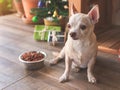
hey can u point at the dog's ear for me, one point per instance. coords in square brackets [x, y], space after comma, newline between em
[73, 9]
[94, 14]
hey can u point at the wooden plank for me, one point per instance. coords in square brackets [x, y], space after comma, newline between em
[6, 31]
[36, 81]
[108, 50]
[79, 80]
[10, 53]
[4, 40]
[116, 45]
[107, 35]
[111, 41]
[10, 72]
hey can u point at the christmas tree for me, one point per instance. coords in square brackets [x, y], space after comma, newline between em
[50, 9]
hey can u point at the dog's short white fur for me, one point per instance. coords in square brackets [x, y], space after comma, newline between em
[81, 46]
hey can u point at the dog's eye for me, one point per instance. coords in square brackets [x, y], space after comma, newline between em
[69, 26]
[83, 27]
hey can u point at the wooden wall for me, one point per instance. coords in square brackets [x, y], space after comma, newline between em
[105, 7]
[116, 12]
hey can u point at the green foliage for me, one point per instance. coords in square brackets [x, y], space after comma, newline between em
[18, 0]
[5, 6]
[1, 1]
[51, 6]
[8, 3]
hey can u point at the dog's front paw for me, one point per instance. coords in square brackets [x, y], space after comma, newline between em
[91, 79]
[53, 62]
[63, 78]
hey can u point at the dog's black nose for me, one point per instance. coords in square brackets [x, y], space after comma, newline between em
[73, 34]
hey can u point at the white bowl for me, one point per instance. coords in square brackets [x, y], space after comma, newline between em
[33, 65]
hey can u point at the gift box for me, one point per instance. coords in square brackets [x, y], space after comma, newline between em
[41, 31]
[55, 37]
[59, 35]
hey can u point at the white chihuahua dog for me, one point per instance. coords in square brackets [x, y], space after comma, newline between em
[80, 49]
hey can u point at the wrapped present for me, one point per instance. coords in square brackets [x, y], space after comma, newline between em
[55, 37]
[41, 31]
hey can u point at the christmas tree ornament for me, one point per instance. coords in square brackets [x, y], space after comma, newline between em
[35, 19]
[49, 12]
[47, 4]
[41, 4]
[60, 17]
[55, 14]
[65, 7]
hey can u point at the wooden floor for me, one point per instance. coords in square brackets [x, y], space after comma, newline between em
[16, 37]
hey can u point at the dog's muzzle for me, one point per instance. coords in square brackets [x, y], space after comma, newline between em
[73, 35]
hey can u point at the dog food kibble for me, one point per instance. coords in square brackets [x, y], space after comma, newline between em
[32, 56]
